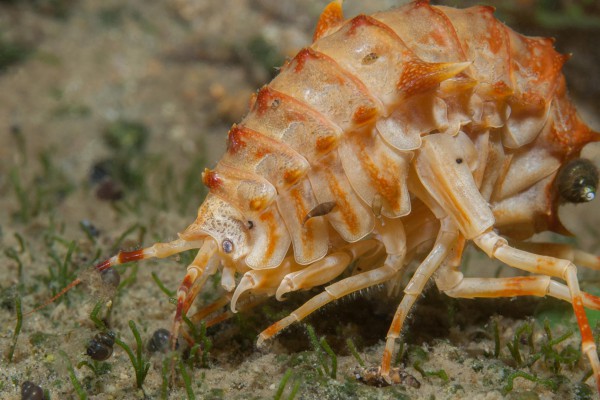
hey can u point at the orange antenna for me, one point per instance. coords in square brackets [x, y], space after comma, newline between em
[56, 297]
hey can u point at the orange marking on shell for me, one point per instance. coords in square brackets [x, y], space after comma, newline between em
[388, 189]
[271, 226]
[211, 179]
[502, 90]
[292, 176]
[301, 213]
[528, 100]
[261, 152]
[326, 143]
[496, 37]
[267, 99]
[331, 16]
[235, 139]
[343, 206]
[258, 204]
[363, 115]
[419, 76]
[568, 133]
[303, 56]
[270, 100]
[546, 63]
[365, 20]
[358, 21]
[438, 37]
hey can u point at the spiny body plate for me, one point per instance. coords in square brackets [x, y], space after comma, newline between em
[393, 136]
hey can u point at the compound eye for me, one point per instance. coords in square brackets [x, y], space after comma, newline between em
[577, 181]
[227, 246]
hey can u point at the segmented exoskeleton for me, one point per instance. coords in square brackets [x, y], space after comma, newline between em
[409, 132]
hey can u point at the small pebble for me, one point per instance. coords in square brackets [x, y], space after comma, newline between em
[31, 391]
[100, 347]
[159, 340]
[109, 190]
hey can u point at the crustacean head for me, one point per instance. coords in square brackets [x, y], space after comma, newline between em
[220, 222]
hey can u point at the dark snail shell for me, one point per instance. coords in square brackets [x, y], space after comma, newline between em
[577, 181]
[100, 347]
[159, 340]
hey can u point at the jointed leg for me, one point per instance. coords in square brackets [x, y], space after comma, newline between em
[204, 265]
[335, 291]
[245, 305]
[392, 237]
[157, 250]
[211, 315]
[213, 307]
[291, 276]
[538, 285]
[446, 239]
[563, 251]
[325, 270]
[497, 247]
[393, 264]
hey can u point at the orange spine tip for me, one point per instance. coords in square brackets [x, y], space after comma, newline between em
[419, 76]
[331, 17]
[235, 139]
[211, 179]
